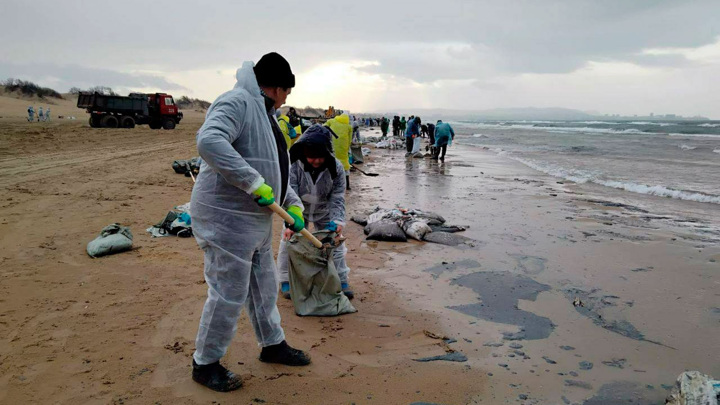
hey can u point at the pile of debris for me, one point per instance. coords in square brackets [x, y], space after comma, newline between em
[399, 224]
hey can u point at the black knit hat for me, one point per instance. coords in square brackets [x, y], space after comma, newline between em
[272, 70]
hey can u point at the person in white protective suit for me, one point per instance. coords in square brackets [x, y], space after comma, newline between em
[31, 114]
[47, 114]
[245, 167]
[318, 178]
[41, 116]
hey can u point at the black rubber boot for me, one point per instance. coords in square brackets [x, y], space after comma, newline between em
[282, 353]
[215, 377]
[347, 182]
[348, 291]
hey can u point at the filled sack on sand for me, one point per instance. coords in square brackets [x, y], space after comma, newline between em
[113, 239]
[314, 282]
[415, 229]
[356, 150]
[385, 230]
[446, 238]
[360, 219]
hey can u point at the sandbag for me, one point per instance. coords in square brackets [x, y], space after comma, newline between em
[446, 238]
[416, 229]
[360, 219]
[385, 230]
[417, 142]
[430, 218]
[113, 239]
[356, 150]
[314, 282]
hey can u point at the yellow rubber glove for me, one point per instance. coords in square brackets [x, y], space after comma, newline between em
[264, 195]
[296, 214]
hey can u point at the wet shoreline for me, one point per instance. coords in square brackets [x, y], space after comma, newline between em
[543, 245]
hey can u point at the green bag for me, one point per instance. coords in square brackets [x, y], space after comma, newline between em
[314, 283]
[114, 238]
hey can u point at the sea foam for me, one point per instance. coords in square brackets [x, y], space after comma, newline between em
[581, 176]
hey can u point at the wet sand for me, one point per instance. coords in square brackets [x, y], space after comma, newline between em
[121, 329]
[647, 293]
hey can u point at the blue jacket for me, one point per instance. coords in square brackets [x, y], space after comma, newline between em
[443, 134]
[413, 128]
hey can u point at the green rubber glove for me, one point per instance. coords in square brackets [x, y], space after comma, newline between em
[264, 195]
[296, 214]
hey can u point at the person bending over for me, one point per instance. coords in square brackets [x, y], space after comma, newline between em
[317, 177]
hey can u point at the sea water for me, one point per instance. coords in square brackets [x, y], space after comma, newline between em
[675, 164]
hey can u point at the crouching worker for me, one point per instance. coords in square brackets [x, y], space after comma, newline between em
[319, 179]
[245, 167]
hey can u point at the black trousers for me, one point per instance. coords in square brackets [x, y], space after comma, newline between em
[409, 144]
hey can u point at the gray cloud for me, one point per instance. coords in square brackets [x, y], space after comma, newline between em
[63, 77]
[428, 42]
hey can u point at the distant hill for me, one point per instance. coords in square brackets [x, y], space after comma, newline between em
[187, 103]
[28, 89]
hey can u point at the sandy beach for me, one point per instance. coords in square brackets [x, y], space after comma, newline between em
[120, 329]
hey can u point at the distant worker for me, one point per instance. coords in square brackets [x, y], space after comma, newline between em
[288, 131]
[423, 130]
[340, 125]
[31, 114]
[431, 137]
[41, 116]
[245, 167]
[403, 126]
[356, 131]
[318, 178]
[396, 126]
[294, 117]
[384, 125]
[47, 114]
[444, 136]
[412, 135]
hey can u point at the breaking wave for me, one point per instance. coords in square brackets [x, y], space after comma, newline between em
[686, 147]
[698, 135]
[582, 176]
[557, 129]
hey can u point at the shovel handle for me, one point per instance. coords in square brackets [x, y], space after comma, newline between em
[284, 215]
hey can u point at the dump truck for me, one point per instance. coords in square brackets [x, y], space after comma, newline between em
[158, 110]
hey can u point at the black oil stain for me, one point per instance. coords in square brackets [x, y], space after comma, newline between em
[499, 293]
[439, 269]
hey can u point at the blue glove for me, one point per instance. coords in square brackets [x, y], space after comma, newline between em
[332, 226]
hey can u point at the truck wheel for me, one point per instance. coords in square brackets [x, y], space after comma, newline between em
[91, 122]
[94, 121]
[127, 122]
[109, 121]
[169, 124]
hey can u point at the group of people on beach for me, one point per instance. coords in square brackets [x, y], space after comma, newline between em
[38, 115]
[440, 136]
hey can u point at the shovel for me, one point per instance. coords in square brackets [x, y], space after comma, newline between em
[365, 173]
[284, 215]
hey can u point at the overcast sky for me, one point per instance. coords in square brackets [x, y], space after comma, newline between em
[628, 56]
